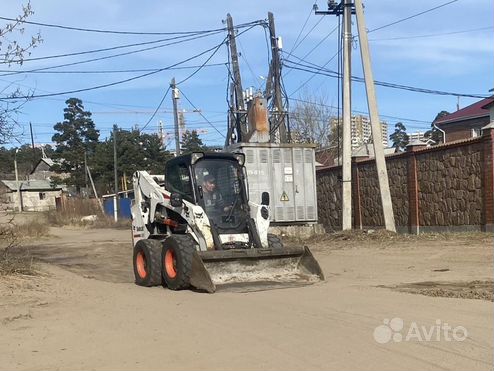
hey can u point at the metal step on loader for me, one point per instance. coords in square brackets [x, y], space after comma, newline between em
[194, 227]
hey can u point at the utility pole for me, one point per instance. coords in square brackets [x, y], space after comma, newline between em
[18, 185]
[231, 118]
[160, 134]
[345, 8]
[88, 172]
[85, 173]
[32, 144]
[275, 74]
[175, 98]
[238, 104]
[347, 116]
[115, 200]
[382, 172]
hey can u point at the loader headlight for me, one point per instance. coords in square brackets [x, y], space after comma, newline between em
[265, 212]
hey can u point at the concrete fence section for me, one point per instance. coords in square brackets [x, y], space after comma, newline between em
[443, 188]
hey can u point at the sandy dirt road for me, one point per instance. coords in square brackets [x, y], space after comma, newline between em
[84, 312]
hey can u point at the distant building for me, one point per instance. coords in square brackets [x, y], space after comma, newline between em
[36, 195]
[467, 122]
[361, 130]
[417, 136]
[44, 170]
[329, 156]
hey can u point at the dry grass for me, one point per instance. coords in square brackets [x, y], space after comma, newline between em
[32, 229]
[14, 258]
[17, 260]
[75, 209]
[384, 235]
[72, 211]
[381, 238]
[483, 290]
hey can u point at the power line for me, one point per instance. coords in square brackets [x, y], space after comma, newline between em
[310, 78]
[106, 57]
[122, 32]
[256, 78]
[102, 49]
[307, 34]
[200, 113]
[202, 65]
[314, 48]
[361, 112]
[109, 84]
[300, 33]
[115, 71]
[320, 70]
[157, 109]
[212, 55]
[433, 35]
[412, 16]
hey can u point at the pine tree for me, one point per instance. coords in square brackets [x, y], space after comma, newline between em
[76, 135]
[135, 151]
[191, 142]
[399, 137]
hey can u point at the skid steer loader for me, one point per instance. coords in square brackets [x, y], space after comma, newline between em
[194, 227]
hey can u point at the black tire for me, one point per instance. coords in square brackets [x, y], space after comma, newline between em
[147, 262]
[177, 254]
[274, 242]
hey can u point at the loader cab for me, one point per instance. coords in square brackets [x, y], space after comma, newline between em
[214, 181]
[220, 189]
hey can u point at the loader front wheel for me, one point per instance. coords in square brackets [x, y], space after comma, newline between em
[147, 263]
[274, 242]
[177, 256]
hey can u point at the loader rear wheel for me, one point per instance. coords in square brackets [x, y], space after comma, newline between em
[147, 263]
[274, 241]
[177, 256]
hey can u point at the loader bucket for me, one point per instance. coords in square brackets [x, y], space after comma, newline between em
[254, 269]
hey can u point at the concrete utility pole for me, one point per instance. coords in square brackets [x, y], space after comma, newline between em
[275, 74]
[175, 98]
[115, 200]
[347, 117]
[382, 172]
[345, 8]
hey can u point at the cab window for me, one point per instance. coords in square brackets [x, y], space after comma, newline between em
[178, 180]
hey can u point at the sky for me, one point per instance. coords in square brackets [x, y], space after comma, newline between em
[448, 49]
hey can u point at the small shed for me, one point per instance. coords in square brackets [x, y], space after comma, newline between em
[35, 195]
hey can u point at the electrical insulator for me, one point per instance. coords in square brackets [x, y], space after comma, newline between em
[279, 42]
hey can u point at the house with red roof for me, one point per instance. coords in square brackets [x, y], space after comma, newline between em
[467, 122]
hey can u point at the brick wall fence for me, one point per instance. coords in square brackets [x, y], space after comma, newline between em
[443, 188]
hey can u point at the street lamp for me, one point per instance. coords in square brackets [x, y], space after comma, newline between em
[19, 200]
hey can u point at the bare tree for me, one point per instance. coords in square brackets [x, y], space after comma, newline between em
[14, 47]
[13, 51]
[311, 120]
